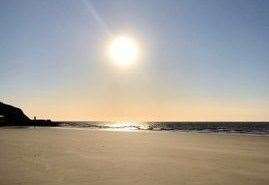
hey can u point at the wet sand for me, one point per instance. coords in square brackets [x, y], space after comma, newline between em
[85, 156]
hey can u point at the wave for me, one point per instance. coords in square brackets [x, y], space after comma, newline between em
[225, 127]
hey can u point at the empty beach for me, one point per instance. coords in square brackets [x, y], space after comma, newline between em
[86, 156]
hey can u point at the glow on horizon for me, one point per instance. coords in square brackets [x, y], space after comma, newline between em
[186, 111]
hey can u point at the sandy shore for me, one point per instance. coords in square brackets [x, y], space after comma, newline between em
[72, 156]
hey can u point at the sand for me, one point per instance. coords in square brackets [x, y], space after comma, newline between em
[86, 156]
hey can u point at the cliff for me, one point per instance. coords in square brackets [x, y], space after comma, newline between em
[12, 115]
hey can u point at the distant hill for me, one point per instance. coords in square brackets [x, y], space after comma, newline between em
[13, 116]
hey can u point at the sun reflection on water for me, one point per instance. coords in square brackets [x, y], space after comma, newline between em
[125, 126]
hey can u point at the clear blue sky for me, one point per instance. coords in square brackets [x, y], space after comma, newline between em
[202, 60]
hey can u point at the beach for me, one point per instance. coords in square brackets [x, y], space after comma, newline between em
[68, 156]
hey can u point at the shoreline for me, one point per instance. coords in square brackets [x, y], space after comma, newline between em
[139, 130]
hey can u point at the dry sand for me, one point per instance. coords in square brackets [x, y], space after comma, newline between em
[48, 156]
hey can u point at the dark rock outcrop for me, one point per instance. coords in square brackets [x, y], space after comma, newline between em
[12, 115]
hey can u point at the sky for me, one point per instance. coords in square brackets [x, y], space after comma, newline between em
[199, 60]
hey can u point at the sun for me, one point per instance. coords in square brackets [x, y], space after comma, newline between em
[123, 51]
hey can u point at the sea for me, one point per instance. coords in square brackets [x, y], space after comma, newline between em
[204, 127]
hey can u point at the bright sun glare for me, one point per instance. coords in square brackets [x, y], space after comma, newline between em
[123, 50]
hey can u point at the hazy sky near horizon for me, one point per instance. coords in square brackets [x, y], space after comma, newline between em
[200, 60]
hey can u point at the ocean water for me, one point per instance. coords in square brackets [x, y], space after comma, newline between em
[229, 127]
